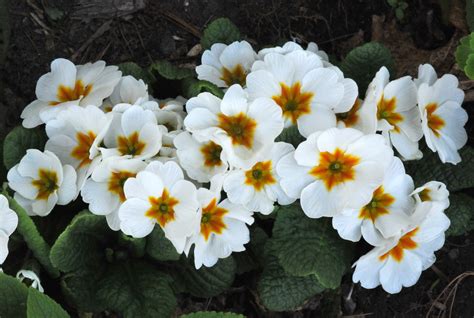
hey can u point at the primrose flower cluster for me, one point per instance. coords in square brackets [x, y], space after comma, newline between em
[200, 168]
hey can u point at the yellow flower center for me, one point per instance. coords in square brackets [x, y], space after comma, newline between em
[116, 182]
[260, 175]
[378, 206]
[46, 184]
[435, 122]
[130, 145]
[386, 110]
[425, 195]
[67, 94]
[405, 243]
[162, 208]
[212, 219]
[351, 117]
[240, 128]
[212, 154]
[236, 75]
[84, 144]
[335, 168]
[293, 102]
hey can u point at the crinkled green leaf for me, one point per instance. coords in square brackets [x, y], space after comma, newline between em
[461, 214]
[280, 291]
[34, 240]
[252, 257]
[18, 141]
[212, 314]
[307, 246]
[206, 281]
[364, 61]
[463, 51]
[41, 306]
[133, 246]
[430, 167]
[4, 30]
[291, 135]
[82, 244]
[136, 289]
[135, 70]
[170, 71]
[220, 30]
[192, 87]
[80, 290]
[159, 247]
[13, 295]
[469, 68]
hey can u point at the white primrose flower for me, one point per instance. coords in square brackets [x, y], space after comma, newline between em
[258, 188]
[104, 190]
[171, 113]
[40, 182]
[8, 224]
[75, 135]
[398, 117]
[30, 275]
[129, 90]
[200, 160]
[433, 191]
[387, 213]
[400, 261]
[133, 133]
[221, 229]
[308, 94]
[291, 46]
[226, 65]
[242, 129]
[443, 118]
[160, 195]
[334, 170]
[68, 84]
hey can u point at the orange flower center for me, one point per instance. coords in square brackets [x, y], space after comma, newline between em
[405, 243]
[351, 117]
[212, 154]
[67, 94]
[435, 122]
[211, 220]
[116, 182]
[162, 208]
[260, 175]
[130, 145]
[293, 102]
[46, 184]
[335, 168]
[236, 75]
[425, 195]
[386, 110]
[377, 206]
[240, 128]
[84, 144]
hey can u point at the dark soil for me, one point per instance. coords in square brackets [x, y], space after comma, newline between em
[46, 29]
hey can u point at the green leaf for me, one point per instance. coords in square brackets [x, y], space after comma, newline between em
[206, 281]
[252, 257]
[461, 214]
[280, 291]
[134, 246]
[4, 30]
[34, 240]
[364, 61]
[430, 167]
[212, 314]
[192, 87]
[13, 296]
[291, 135]
[159, 247]
[470, 14]
[221, 30]
[169, 71]
[469, 68]
[462, 51]
[82, 244]
[310, 247]
[18, 141]
[133, 69]
[80, 289]
[136, 289]
[41, 306]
